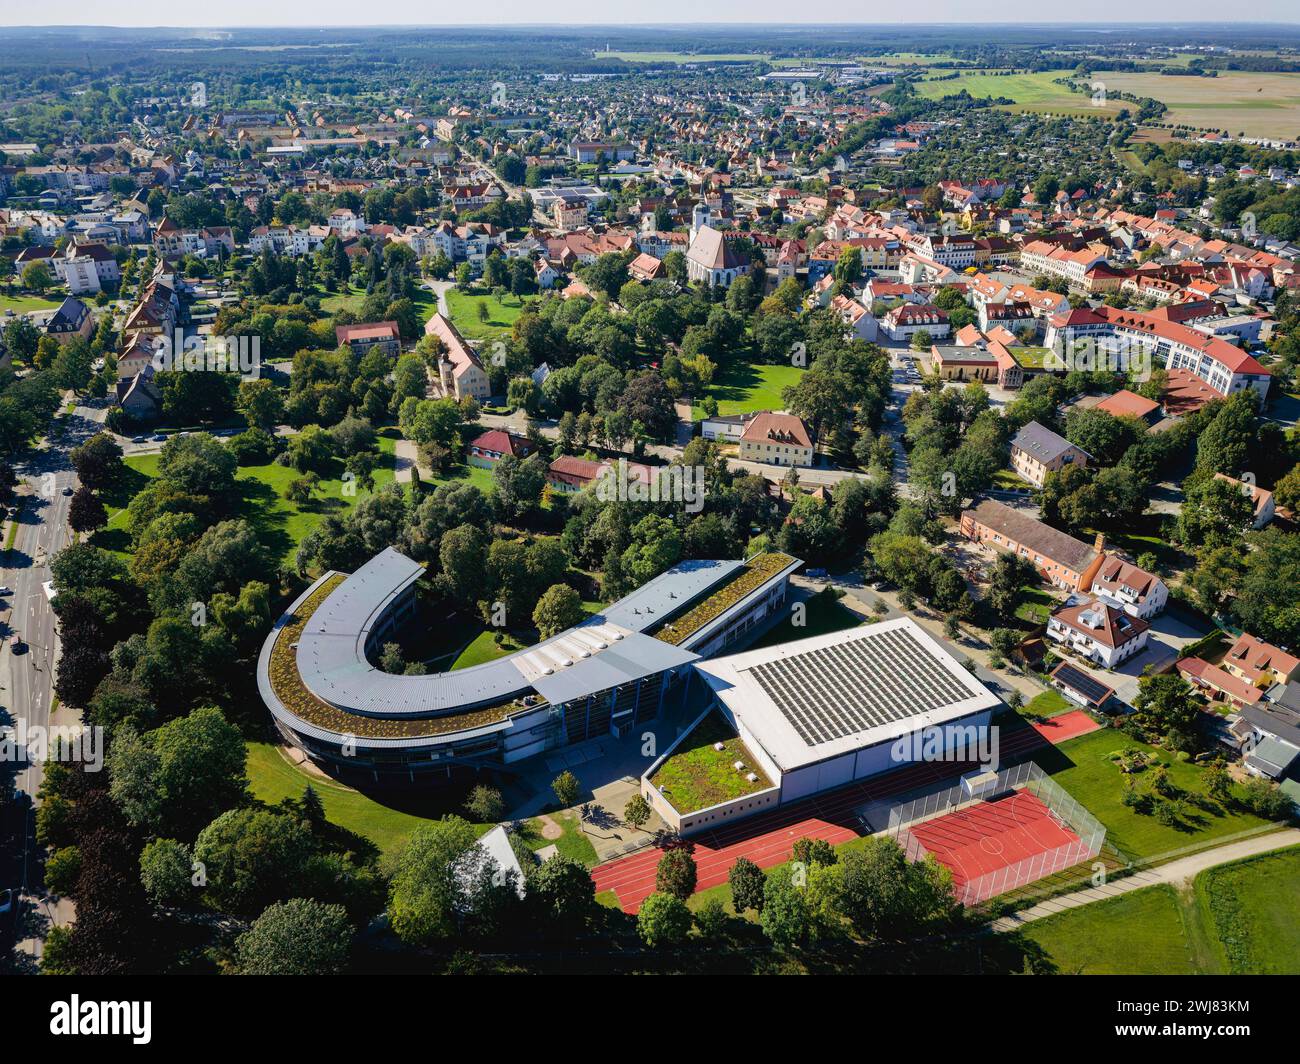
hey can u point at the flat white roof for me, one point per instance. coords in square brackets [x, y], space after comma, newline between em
[817, 698]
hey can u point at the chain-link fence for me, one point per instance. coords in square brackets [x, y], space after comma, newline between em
[1027, 776]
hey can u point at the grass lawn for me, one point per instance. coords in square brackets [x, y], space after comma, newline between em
[1036, 606]
[696, 776]
[26, 304]
[741, 389]
[1083, 767]
[1008, 481]
[272, 778]
[281, 524]
[484, 647]
[573, 843]
[1141, 933]
[502, 313]
[1048, 704]
[1250, 907]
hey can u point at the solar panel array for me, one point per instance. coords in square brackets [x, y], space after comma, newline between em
[1083, 683]
[850, 687]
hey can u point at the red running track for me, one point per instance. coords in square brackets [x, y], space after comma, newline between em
[768, 838]
[1065, 726]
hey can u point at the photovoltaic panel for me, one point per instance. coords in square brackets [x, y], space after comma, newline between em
[847, 688]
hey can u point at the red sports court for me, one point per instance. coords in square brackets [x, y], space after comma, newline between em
[1063, 726]
[991, 835]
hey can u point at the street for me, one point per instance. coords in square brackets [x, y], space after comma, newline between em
[26, 678]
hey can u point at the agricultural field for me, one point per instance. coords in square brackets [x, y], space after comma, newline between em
[1031, 92]
[1239, 101]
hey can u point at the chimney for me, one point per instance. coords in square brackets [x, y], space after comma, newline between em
[1099, 544]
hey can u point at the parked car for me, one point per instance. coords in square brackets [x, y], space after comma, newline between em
[5, 589]
[137, 439]
[6, 900]
[158, 437]
[818, 574]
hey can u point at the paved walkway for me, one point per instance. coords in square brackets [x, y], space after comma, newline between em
[1176, 873]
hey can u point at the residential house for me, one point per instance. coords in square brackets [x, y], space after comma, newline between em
[486, 450]
[1037, 451]
[1124, 586]
[382, 336]
[776, 439]
[460, 372]
[1098, 632]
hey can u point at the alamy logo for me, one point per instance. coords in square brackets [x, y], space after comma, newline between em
[79, 1017]
[950, 742]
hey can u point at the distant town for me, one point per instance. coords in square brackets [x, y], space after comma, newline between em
[613, 501]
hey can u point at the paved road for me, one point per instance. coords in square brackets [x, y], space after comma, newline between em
[1176, 873]
[26, 679]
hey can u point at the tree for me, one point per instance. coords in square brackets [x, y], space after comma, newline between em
[1166, 705]
[37, 276]
[636, 812]
[746, 880]
[295, 937]
[166, 872]
[86, 513]
[785, 917]
[566, 788]
[261, 403]
[885, 894]
[98, 462]
[561, 892]
[178, 777]
[427, 888]
[485, 804]
[559, 608]
[676, 873]
[663, 920]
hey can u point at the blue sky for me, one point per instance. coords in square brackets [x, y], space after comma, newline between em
[530, 12]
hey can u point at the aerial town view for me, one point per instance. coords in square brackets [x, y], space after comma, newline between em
[716, 497]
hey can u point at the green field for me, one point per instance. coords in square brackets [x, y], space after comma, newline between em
[1048, 704]
[280, 523]
[1083, 768]
[1238, 918]
[1031, 92]
[1141, 933]
[502, 313]
[1251, 907]
[743, 389]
